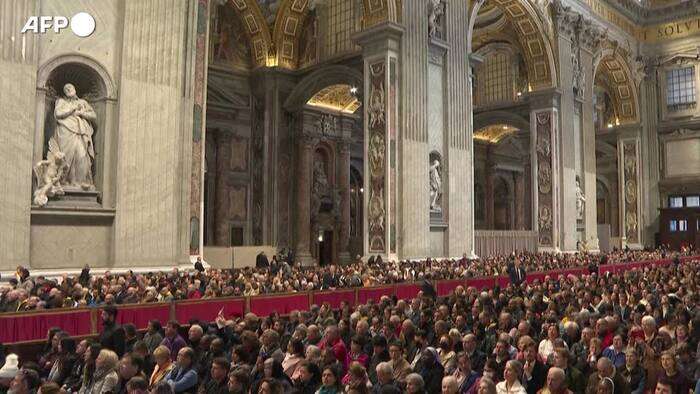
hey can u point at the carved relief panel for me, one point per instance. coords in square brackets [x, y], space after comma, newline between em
[544, 145]
[376, 159]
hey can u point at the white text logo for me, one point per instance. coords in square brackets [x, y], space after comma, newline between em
[82, 24]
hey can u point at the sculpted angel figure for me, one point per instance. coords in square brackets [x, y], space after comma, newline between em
[48, 174]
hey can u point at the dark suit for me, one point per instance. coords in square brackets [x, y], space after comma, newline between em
[517, 274]
[261, 261]
[538, 378]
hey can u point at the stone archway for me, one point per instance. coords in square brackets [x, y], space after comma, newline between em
[612, 67]
[264, 51]
[537, 49]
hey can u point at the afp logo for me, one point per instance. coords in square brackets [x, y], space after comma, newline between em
[82, 24]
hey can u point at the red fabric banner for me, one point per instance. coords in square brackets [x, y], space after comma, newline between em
[407, 291]
[140, 315]
[207, 310]
[34, 326]
[265, 305]
[373, 293]
[446, 287]
[484, 283]
[334, 298]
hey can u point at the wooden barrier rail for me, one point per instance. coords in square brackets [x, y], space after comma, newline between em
[23, 327]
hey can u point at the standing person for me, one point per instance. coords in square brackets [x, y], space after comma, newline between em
[516, 272]
[261, 261]
[113, 336]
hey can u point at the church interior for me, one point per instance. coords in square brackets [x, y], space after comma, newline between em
[350, 128]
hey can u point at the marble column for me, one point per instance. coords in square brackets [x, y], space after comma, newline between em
[222, 230]
[631, 225]
[344, 183]
[272, 88]
[305, 159]
[459, 129]
[150, 38]
[519, 192]
[590, 38]
[568, 122]
[380, 45]
[649, 105]
[489, 192]
[18, 67]
[544, 156]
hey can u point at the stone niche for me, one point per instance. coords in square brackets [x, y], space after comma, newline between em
[76, 228]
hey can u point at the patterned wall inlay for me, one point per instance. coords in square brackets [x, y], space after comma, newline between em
[198, 128]
[238, 201]
[239, 154]
[544, 178]
[376, 162]
[630, 192]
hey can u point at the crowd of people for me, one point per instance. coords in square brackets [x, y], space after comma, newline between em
[279, 275]
[631, 332]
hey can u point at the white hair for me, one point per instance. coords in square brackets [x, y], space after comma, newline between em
[649, 320]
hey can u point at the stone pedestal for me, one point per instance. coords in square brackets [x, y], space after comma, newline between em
[76, 198]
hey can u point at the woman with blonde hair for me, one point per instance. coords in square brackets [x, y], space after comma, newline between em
[511, 375]
[105, 378]
[164, 364]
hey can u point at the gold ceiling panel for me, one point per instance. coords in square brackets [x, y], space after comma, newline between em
[336, 97]
[493, 134]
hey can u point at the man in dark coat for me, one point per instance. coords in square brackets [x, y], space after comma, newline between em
[516, 272]
[218, 380]
[261, 261]
[112, 337]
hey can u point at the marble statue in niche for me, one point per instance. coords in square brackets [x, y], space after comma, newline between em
[435, 186]
[320, 188]
[436, 10]
[580, 200]
[72, 139]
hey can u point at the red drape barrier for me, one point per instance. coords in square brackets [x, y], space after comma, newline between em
[34, 326]
[265, 305]
[207, 310]
[373, 293]
[481, 283]
[334, 298]
[446, 287]
[407, 291]
[141, 315]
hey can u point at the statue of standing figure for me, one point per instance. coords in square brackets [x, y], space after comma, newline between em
[580, 200]
[435, 186]
[73, 138]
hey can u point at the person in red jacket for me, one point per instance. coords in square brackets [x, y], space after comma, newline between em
[332, 339]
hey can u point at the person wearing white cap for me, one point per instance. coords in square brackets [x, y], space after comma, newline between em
[8, 371]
